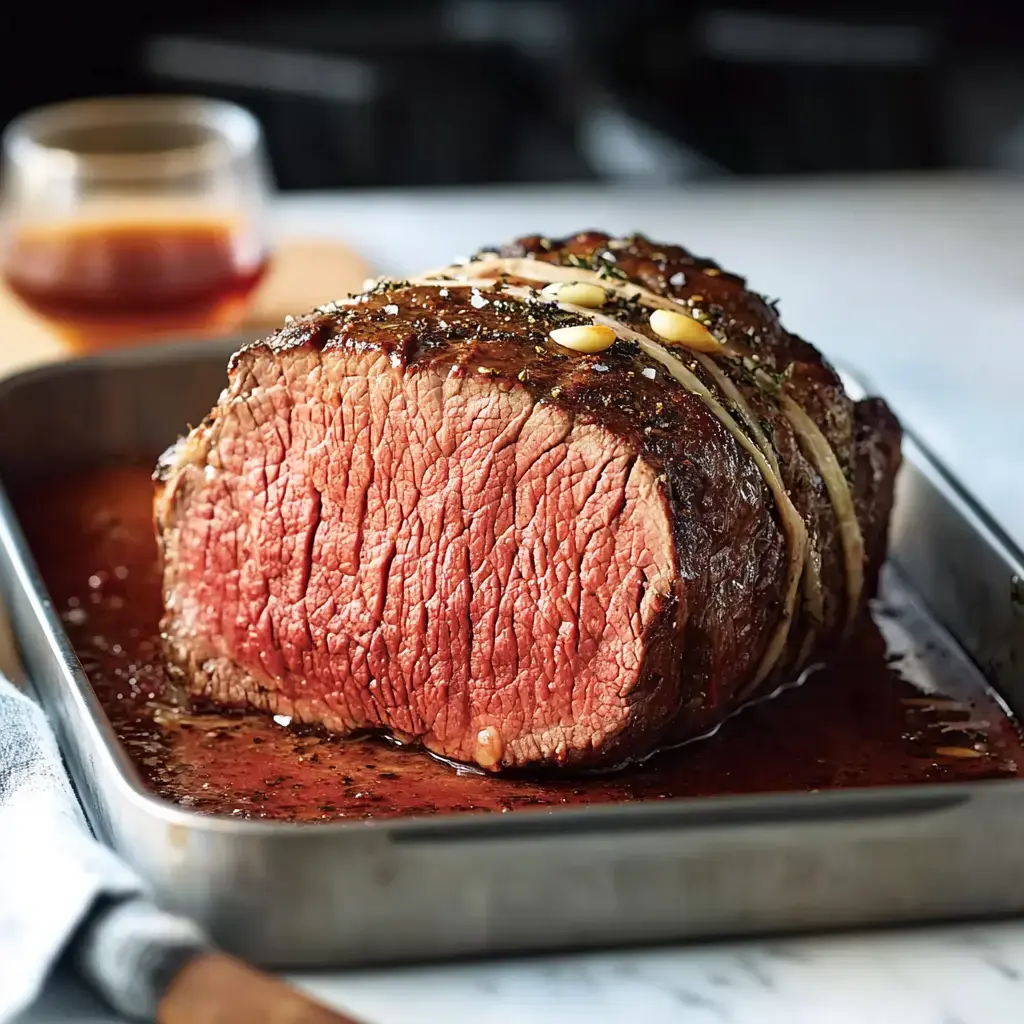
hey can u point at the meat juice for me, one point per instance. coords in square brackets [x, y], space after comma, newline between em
[856, 723]
[108, 283]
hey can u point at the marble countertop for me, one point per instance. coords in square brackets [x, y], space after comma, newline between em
[961, 975]
[918, 282]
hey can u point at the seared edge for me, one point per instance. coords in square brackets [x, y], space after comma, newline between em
[702, 471]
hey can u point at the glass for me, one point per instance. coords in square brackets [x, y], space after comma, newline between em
[131, 218]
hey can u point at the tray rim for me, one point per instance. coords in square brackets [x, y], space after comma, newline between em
[726, 811]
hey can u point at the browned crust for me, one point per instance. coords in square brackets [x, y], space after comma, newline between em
[702, 469]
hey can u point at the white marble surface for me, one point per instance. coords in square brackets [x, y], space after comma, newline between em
[957, 976]
[963, 975]
[919, 282]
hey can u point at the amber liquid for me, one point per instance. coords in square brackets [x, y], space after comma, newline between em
[109, 284]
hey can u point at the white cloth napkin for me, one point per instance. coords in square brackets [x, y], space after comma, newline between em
[62, 892]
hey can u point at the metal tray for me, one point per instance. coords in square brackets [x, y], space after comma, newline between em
[332, 894]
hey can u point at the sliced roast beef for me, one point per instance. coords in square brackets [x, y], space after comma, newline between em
[417, 511]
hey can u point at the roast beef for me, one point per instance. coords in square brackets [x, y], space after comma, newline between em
[413, 511]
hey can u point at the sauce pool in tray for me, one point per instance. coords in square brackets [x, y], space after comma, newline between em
[856, 723]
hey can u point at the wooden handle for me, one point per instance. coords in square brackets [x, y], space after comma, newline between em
[217, 989]
[10, 663]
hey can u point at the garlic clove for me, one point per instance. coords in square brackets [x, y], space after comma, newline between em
[587, 338]
[679, 329]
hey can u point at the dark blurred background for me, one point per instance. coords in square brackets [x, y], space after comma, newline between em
[386, 92]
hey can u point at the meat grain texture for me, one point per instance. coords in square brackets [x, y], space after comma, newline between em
[413, 512]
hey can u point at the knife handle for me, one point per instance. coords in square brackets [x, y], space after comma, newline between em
[217, 989]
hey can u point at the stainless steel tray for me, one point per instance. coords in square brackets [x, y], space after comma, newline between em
[307, 895]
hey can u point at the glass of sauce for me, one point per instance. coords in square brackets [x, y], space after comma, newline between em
[128, 219]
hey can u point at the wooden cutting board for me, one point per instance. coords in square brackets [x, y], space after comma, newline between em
[303, 274]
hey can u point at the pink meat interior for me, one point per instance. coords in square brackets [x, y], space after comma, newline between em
[429, 553]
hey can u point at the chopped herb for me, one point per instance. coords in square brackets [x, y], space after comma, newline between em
[776, 380]
[606, 271]
[562, 317]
